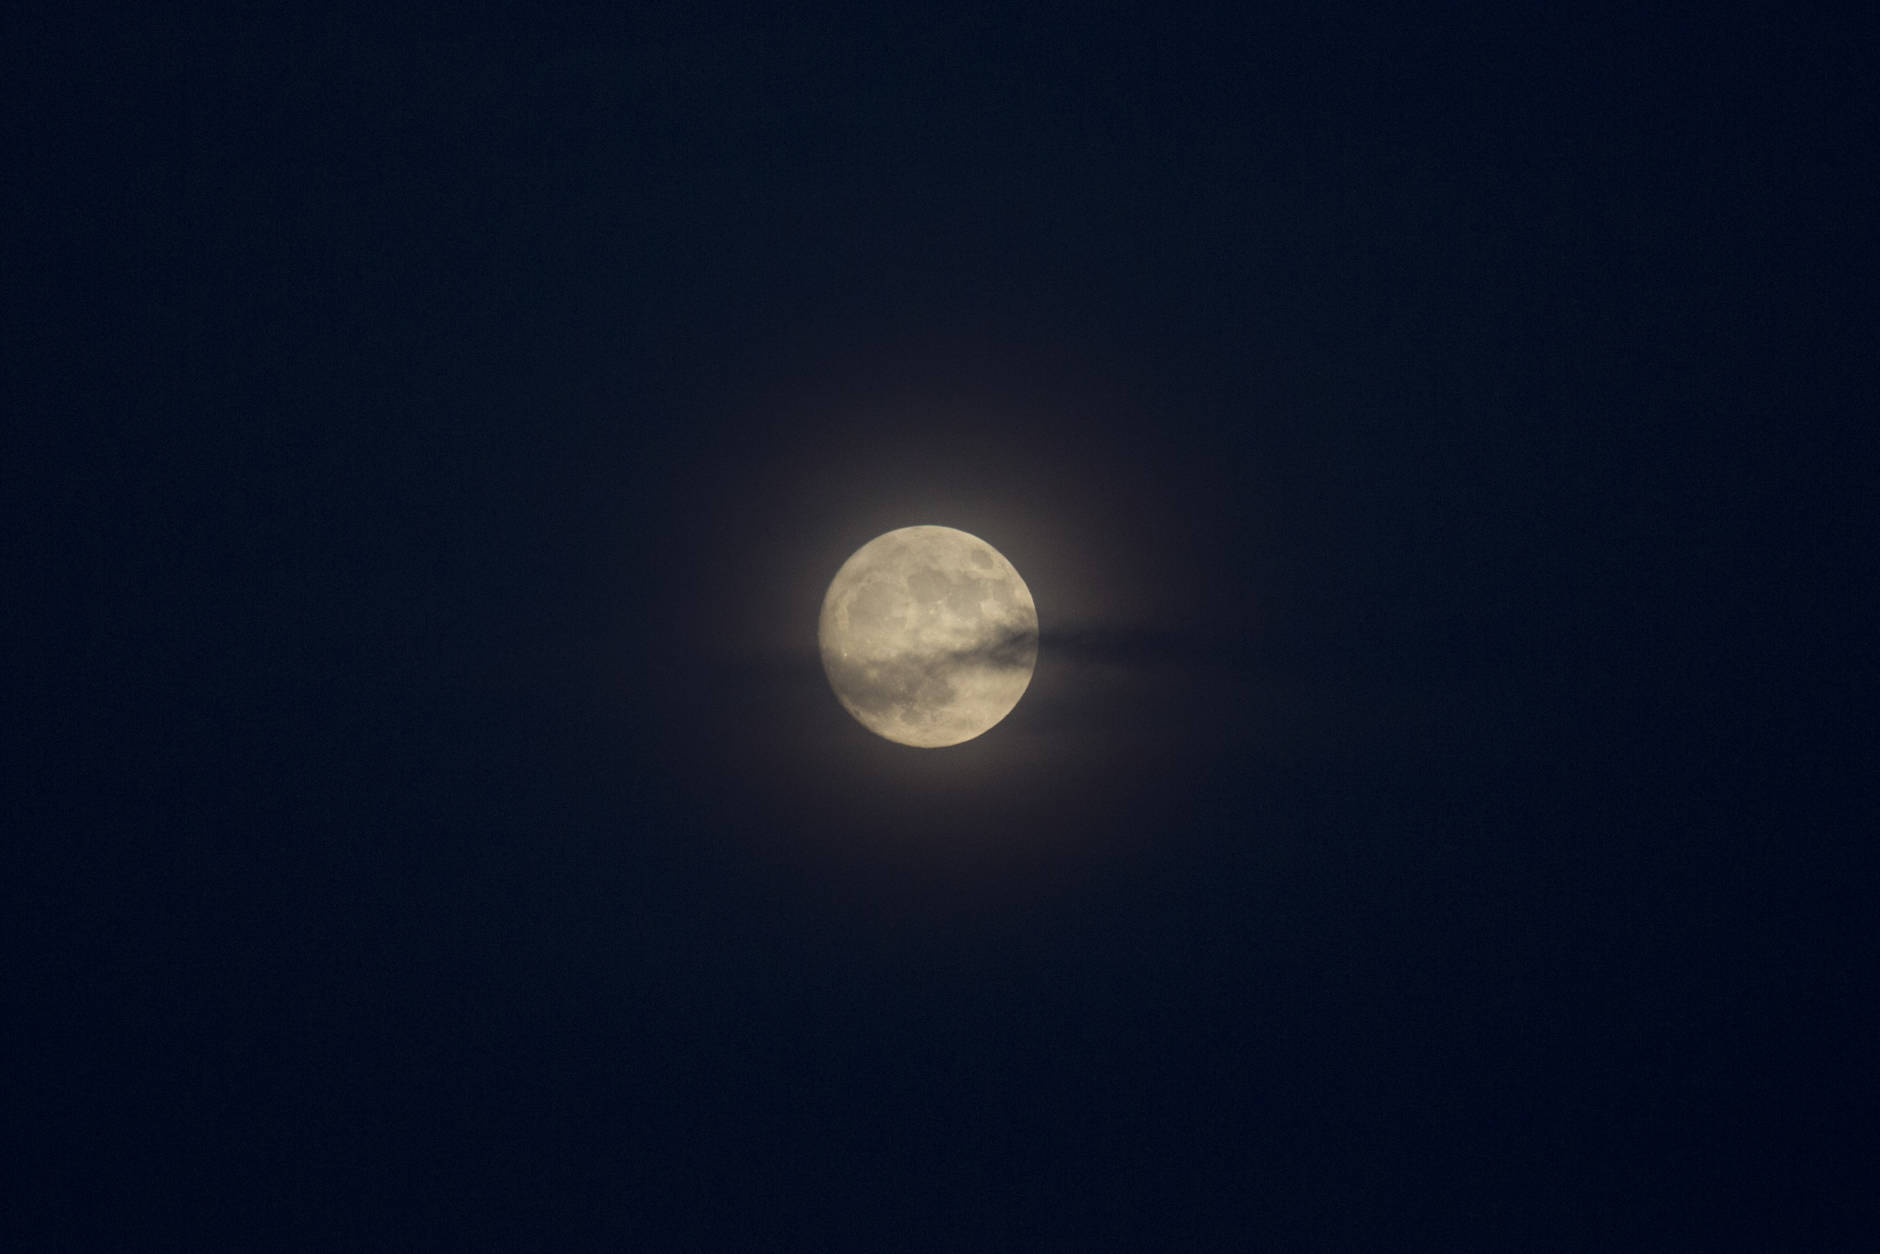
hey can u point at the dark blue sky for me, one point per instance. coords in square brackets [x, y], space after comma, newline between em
[1432, 821]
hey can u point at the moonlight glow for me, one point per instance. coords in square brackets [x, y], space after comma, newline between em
[928, 636]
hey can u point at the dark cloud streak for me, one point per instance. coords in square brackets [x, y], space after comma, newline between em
[1079, 647]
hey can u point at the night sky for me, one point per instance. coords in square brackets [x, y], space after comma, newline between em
[1437, 820]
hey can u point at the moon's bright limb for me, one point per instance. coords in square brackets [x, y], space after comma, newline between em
[928, 636]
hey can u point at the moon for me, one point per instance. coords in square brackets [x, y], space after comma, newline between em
[928, 636]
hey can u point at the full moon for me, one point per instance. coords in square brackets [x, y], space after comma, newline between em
[928, 636]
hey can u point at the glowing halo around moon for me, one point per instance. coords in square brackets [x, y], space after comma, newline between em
[928, 636]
